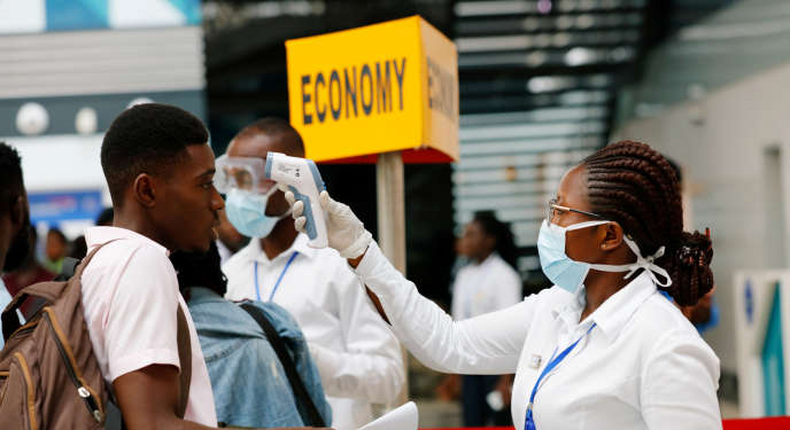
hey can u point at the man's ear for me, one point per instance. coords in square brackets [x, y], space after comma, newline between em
[144, 189]
[612, 236]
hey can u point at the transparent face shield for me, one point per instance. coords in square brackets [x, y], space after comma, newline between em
[243, 174]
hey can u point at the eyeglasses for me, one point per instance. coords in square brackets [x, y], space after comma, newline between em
[553, 209]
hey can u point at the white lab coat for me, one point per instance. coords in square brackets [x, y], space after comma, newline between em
[643, 366]
[489, 286]
[357, 356]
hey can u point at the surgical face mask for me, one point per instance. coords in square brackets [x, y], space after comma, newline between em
[570, 274]
[247, 212]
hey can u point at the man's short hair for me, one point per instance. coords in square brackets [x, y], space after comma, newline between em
[11, 183]
[276, 128]
[147, 138]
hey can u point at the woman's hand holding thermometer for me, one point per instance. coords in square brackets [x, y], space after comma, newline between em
[345, 232]
[301, 178]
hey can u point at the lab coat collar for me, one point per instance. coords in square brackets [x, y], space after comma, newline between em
[614, 313]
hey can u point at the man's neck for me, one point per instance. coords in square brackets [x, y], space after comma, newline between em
[280, 239]
[137, 225]
[483, 257]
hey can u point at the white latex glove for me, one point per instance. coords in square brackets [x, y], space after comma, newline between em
[345, 231]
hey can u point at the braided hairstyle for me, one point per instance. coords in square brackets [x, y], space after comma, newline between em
[632, 184]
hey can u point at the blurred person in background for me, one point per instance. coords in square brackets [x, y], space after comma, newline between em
[79, 248]
[250, 385]
[358, 357]
[14, 219]
[55, 250]
[488, 283]
[105, 218]
[30, 272]
[229, 240]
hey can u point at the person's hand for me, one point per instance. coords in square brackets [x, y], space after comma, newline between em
[344, 230]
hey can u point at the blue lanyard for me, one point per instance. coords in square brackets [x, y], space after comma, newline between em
[529, 422]
[285, 269]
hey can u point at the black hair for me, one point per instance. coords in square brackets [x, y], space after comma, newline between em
[59, 234]
[79, 248]
[200, 269]
[636, 186]
[105, 217]
[147, 138]
[11, 182]
[500, 231]
[276, 128]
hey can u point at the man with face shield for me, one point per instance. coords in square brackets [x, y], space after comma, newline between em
[602, 349]
[14, 217]
[358, 358]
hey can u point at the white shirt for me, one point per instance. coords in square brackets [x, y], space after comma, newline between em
[130, 296]
[357, 356]
[480, 288]
[643, 366]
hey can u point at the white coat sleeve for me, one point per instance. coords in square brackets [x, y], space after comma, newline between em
[371, 367]
[679, 383]
[487, 344]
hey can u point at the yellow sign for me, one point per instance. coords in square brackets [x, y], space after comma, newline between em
[385, 87]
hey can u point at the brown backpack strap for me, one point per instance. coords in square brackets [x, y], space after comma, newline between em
[185, 357]
[46, 292]
[52, 290]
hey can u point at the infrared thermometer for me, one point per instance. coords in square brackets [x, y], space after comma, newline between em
[302, 178]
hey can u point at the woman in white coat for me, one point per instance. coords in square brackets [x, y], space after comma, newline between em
[602, 349]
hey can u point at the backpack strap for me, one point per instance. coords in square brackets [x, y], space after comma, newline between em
[42, 293]
[185, 357]
[303, 398]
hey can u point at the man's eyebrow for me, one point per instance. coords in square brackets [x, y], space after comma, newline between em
[208, 172]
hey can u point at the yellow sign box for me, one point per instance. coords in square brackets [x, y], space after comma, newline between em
[385, 87]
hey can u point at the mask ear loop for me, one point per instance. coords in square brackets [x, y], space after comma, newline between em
[647, 263]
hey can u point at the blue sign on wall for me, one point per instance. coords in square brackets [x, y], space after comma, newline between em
[56, 207]
[773, 360]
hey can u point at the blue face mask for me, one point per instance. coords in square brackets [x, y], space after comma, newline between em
[247, 212]
[569, 274]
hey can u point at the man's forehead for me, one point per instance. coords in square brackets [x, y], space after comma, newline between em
[200, 158]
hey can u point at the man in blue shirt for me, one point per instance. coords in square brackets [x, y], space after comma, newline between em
[14, 218]
[251, 388]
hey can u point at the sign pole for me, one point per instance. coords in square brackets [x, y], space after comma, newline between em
[391, 207]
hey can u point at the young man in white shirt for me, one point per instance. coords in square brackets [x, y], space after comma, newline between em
[159, 169]
[358, 358]
[14, 218]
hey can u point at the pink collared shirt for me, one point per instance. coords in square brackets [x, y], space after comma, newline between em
[130, 297]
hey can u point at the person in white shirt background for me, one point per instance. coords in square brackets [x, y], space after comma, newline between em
[358, 357]
[601, 349]
[487, 283]
[14, 218]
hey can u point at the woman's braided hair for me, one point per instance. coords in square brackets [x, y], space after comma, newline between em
[632, 184]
